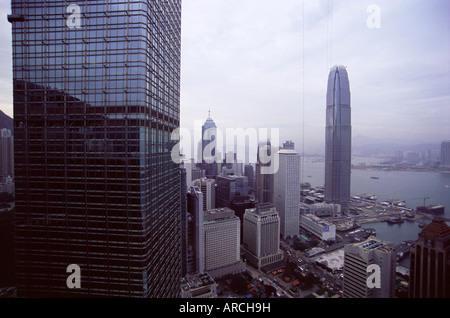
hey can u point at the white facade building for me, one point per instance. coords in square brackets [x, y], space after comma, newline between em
[222, 232]
[324, 230]
[208, 188]
[287, 192]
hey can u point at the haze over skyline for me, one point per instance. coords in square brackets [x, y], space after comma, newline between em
[243, 60]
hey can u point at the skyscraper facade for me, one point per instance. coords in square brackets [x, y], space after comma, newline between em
[287, 192]
[263, 181]
[338, 143]
[261, 239]
[96, 98]
[195, 234]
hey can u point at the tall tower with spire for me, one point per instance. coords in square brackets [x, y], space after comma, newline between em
[209, 146]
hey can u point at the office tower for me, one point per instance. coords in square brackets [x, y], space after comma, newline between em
[209, 147]
[287, 192]
[230, 187]
[289, 145]
[358, 258]
[261, 242]
[6, 153]
[195, 239]
[430, 262]
[208, 188]
[222, 243]
[338, 147]
[264, 181]
[96, 98]
[445, 154]
[249, 172]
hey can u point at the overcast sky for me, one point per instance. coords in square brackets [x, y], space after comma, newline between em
[243, 60]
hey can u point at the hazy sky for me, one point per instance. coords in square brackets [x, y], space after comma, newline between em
[243, 60]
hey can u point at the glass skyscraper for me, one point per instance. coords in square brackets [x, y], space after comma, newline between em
[338, 143]
[96, 98]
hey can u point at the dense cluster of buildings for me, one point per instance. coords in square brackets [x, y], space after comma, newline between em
[96, 184]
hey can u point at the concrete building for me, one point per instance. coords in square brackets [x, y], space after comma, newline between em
[324, 230]
[261, 242]
[195, 233]
[222, 242]
[430, 262]
[357, 259]
[325, 209]
[338, 142]
[208, 188]
[198, 286]
[287, 192]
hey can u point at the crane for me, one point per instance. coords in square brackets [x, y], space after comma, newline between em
[424, 199]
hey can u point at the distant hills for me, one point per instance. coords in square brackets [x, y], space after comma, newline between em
[6, 122]
[367, 145]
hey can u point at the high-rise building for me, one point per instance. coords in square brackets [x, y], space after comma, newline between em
[261, 237]
[429, 275]
[195, 234]
[358, 258]
[209, 147]
[445, 154]
[230, 187]
[264, 181]
[222, 243]
[6, 153]
[338, 147]
[208, 188]
[183, 219]
[96, 97]
[287, 192]
[249, 172]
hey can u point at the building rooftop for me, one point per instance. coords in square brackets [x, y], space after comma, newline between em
[372, 243]
[436, 229]
[196, 281]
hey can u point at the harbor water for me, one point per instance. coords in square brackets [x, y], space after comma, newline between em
[415, 188]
